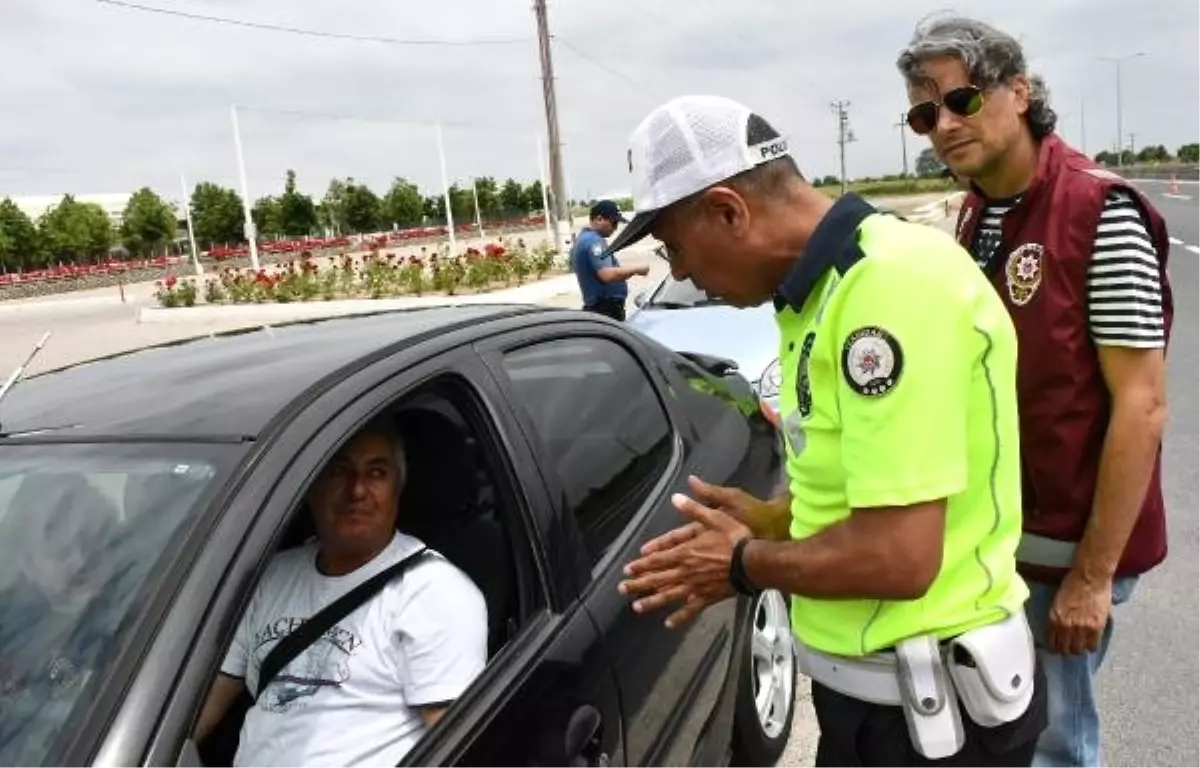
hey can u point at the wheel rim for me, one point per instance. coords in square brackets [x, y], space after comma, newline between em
[772, 662]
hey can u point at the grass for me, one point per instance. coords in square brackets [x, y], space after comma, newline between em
[891, 187]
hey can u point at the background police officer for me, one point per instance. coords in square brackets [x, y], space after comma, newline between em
[896, 538]
[602, 279]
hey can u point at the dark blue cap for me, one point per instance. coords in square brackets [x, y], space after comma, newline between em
[607, 209]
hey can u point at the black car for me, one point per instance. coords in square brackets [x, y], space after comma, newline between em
[141, 496]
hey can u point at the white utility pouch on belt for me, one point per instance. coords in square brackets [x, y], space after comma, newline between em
[927, 698]
[993, 670]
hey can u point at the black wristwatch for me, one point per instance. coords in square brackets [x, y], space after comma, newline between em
[737, 570]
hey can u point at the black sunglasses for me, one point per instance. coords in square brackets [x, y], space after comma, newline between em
[964, 102]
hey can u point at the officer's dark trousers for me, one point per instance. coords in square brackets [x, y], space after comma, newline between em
[614, 308]
[855, 732]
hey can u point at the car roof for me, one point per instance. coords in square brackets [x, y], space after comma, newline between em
[227, 385]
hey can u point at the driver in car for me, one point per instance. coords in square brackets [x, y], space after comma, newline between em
[369, 688]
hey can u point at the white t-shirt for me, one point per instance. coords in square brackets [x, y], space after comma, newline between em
[349, 698]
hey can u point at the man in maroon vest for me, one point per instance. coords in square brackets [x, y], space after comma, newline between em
[1079, 257]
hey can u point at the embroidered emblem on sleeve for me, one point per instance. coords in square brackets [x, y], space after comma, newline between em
[1023, 273]
[872, 361]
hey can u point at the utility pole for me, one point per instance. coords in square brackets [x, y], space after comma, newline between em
[558, 187]
[845, 135]
[903, 143]
[1120, 129]
[187, 209]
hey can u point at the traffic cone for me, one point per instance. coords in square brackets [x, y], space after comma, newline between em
[1174, 188]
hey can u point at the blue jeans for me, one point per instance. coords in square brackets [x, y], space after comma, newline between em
[1073, 736]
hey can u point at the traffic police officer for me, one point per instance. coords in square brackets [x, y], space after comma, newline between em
[897, 535]
[603, 282]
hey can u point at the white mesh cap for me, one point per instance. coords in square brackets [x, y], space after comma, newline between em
[687, 145]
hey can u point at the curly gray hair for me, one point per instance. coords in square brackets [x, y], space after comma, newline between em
[991, 57]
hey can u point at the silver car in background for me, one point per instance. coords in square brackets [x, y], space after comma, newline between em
[680, 316]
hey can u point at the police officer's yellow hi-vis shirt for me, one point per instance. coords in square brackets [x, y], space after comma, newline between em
[899, 387]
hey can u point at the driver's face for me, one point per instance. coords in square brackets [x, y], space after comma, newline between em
[354, 501]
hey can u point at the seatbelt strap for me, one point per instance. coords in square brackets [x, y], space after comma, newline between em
[319, 623]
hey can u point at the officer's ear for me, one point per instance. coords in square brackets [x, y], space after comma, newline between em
[726, 210]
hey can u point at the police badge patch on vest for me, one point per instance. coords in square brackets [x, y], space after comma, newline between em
[872, 361]
[1023, 272]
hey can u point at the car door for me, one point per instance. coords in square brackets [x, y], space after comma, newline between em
[611, 455]
[549, 683]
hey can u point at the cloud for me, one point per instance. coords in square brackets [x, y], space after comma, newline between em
[101, 98]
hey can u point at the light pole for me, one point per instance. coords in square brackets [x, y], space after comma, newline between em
[1120, 128]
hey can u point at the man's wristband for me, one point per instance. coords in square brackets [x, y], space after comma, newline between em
[737, 570]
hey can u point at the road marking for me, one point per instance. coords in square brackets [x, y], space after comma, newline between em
[1175, 241]
[1177, 197]
[1193, 248]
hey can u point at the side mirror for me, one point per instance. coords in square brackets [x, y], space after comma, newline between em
[640, 299]
[717, 366]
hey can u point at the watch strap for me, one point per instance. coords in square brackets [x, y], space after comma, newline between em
[737, 570]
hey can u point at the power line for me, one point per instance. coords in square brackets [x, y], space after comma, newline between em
[263, 26]
[602, 66]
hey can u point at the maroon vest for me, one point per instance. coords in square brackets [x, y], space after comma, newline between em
[1046, 245]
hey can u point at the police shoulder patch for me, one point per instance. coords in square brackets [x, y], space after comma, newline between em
[597, 248]
[872, 361]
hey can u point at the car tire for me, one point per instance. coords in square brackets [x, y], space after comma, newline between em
[768, 662]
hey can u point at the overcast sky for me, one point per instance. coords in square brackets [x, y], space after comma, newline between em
[97, 98]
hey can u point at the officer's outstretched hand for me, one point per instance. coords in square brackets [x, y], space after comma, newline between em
[692, 569]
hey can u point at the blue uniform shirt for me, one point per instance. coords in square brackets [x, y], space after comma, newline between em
[587, 259]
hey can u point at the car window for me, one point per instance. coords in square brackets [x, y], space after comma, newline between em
[81, 530]
[681, 294]
[600, 422]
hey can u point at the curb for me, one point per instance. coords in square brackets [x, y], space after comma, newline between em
[277, 313]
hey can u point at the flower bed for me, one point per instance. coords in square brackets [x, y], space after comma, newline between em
[375, 275]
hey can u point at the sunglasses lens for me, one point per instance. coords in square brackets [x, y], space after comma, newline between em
[964, 102]
[923, 117]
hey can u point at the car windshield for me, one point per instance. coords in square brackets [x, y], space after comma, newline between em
[681, 294]
[82, 529]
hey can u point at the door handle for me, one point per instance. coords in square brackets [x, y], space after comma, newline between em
[581, 739]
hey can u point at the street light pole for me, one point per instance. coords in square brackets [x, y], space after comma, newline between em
[251, 235]
[1120, 128]
[187, 209]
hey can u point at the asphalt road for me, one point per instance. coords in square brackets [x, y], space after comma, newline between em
[1148, 686]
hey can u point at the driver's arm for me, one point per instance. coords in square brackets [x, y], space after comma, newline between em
[224, 691]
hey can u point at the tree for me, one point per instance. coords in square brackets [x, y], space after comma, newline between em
[267, 214]
[435, 208]
[928, 164]
[217, 215]
[333, 206]
[489, 196]
[20, 244]
[533, 197]
[361, 208]
[148, 223]
[512, 198]
[1189, 153]
[76, 231]
[462, 204]
[1106, 158]
[403, 204]
[1154, 154]
[297, 212]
